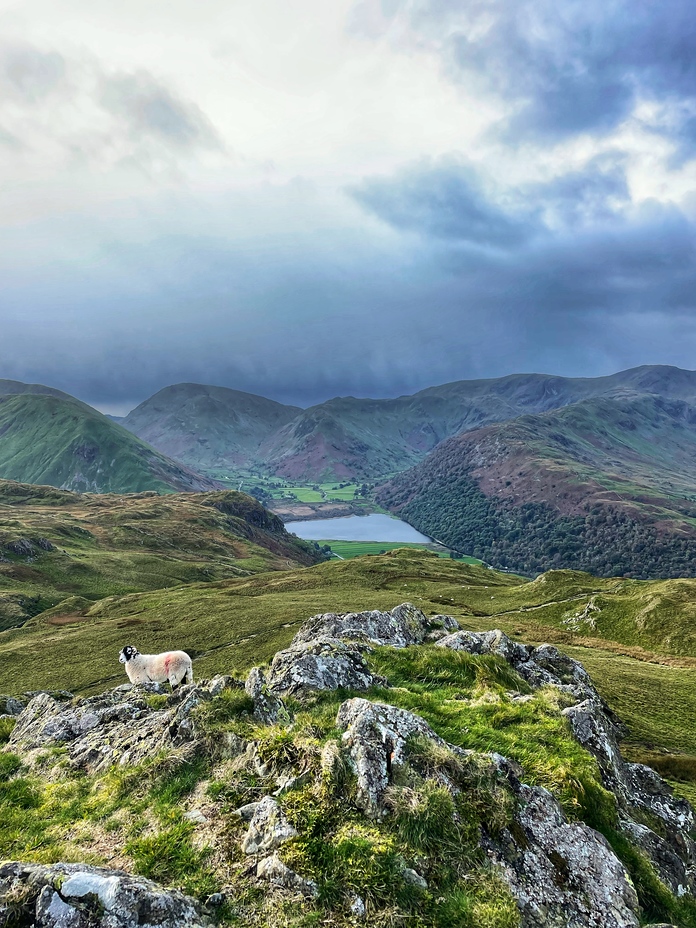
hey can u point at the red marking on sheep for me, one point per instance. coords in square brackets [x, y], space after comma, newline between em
[167, 662]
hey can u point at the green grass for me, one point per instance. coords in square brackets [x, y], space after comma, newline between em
[349, 549]
[113, 545]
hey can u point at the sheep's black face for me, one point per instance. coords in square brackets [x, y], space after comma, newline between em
[127, 654]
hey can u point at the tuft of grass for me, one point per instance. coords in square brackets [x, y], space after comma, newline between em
[7, 726]
[169, 857]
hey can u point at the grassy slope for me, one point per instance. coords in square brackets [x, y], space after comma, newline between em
[230, 625]
[104, 545]
[135, 818]
[65, 443]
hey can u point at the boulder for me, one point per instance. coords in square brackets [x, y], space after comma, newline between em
[119, 726]
[562, 874]
[80, 896]
[279, 874]
[268, 828]
[320, 664]
[375, 735]
[12, 705]
[268, 708]
[403, 626]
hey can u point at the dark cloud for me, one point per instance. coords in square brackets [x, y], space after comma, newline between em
[148, 107]
[574, 66]
[301, 314]
[446, 200]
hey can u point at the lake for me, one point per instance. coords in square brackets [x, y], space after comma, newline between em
[375, 527]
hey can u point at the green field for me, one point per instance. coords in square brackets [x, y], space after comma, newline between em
[348, 549]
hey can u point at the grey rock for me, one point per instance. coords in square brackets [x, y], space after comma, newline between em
[403, 626]
[279, 874]
[268, 708]
[246, 812]
[195, 816]
[375, 735]
[12, 705]
[116, 727]
[80, 896]
[562, 874]
[639, 790]
[414, 878]
[268, 829]
[321, 664]
[357, 906]
[446, 622]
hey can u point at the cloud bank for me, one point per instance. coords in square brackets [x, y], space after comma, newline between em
[363, 200]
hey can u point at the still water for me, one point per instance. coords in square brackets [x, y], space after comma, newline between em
[375, 527]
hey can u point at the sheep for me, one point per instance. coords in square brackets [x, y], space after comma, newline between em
[170, 666]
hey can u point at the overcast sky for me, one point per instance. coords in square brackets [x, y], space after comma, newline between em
[315, 198]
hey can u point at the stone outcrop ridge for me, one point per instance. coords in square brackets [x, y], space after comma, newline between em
[120, 726]
[641, 793]
[80, 896]
[540, 666]
[561, 874]
[403, 626]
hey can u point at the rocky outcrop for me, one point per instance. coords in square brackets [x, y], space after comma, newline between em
[643, 795]
[562, 874]
[117, 727]
[542, 666]
[403, 626]
[80, 896]
[321, 664]
[376, 736]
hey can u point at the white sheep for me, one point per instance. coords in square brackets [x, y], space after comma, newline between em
[170, 666]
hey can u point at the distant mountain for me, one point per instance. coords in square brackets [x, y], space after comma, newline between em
[213, 429]
[11, 387]
[607, 484]
[57, 440]
[208, 428]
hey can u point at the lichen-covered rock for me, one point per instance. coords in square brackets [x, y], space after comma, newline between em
[79, 896]
[12, 705]
[120, 726]
[376, 735]
[320, 664]
[403, 626]
[279, 874]
[540, 666]
[268, 828]
[640, 791]
[562, 875]
[268, 708]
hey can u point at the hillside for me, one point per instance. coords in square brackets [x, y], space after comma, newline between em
[491, 793]
[606, 485]
[218, 431]
[61, 551]
[60, 441]
[211, 429]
